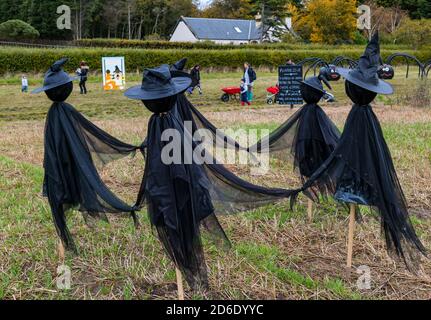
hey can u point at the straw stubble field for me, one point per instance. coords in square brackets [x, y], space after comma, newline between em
[276, 253]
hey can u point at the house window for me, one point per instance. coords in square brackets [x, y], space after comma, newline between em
[238, 30]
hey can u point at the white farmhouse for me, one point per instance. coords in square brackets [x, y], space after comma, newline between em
[221, 31]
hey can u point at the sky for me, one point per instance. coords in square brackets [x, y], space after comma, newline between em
[204, 3]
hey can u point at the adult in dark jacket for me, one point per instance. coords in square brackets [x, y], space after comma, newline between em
[195, 74]
[82, 72]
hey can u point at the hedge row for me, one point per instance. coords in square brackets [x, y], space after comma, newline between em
[38, 60]
[144, 44]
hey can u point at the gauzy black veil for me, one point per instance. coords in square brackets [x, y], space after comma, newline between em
[188, 112]
[360, 170]
[308, 137]
[74, 149]
[183, 196]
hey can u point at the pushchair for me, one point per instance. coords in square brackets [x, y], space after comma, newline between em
[272, 96]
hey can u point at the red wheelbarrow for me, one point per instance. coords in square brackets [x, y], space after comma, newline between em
[230, 92]
[272, 96]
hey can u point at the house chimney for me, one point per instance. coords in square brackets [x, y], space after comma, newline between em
[258, 19]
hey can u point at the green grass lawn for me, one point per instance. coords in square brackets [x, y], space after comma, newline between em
[111, 105]
[276, 252]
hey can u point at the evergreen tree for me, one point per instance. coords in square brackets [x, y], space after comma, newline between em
[416, 8]
[11, 9]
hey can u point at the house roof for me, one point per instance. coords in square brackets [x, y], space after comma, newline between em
[222, 29]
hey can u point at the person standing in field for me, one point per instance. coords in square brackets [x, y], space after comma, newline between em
[289, 62]
[82, 72]
[244, 93]
[249, 77]
[24, 84]
[195, 73]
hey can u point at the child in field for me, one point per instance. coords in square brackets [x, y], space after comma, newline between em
[244, 93]
[24, 84]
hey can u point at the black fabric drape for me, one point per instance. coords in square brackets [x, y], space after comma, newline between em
[308, 137]
[188, 112]
[74, 148]
[230, 193]
[177, 198]
[183, 197]
[360, 171]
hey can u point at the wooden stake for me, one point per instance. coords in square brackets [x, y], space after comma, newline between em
[310, 210]
[180, 285]
[61, 251]
[351, 235]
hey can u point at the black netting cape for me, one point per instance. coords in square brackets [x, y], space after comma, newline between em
[185, 110]
[74, 149]
[181, 198]
[307, 138]
[188, 112]
[361, 171]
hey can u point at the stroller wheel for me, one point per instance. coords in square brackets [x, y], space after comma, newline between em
[270, 101]
[225, 97]
[328, 97]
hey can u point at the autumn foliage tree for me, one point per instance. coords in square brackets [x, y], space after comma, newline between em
[414, 32]
[230, 9]
[326, 21]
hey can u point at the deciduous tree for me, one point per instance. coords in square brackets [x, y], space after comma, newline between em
[327, 21]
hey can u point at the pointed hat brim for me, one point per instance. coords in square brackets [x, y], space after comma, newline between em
[381, 87]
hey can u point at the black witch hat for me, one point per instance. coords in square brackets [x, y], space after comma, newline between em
[158, 83]
[316, 83]
[177, 70]
[180, 66]
[55, 77]
[365, 74]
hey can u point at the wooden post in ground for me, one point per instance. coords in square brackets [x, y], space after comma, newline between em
[351, 235]
[310, 210]
[61, 251]
[180, 285]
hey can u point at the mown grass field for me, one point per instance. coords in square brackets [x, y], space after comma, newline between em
[276, 253]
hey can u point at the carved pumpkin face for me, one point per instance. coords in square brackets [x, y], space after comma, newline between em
[330, 73]
[386, 72]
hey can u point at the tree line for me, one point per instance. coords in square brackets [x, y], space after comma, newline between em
[315, 20]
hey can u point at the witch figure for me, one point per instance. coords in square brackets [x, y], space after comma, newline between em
[74, 149]
[181, 193]
[308, 137]
[360, 170]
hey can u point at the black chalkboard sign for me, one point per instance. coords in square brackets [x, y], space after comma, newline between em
[288, 77]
